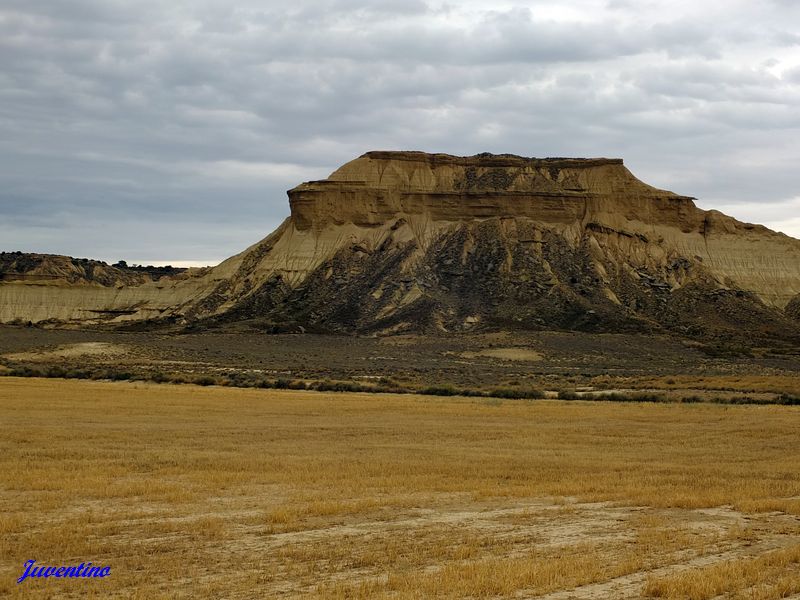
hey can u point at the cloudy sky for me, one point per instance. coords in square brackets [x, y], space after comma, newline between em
[159, 132]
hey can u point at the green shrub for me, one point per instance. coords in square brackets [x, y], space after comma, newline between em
[788, 399]
[159, 377]
[26, 371]
[338, 386]
[634, 397]
[444, 390]
[517, 394]
[77, 374]
[691, 399]
[55, 371]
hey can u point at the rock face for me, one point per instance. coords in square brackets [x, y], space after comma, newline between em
[396, 241]
[65, 270]
[793, 308]
[41, 287]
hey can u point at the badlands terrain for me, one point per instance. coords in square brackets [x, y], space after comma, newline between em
[407, 272]
[408, 242]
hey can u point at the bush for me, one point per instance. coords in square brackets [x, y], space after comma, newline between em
[55, 371]
[338, 386]
[516, 394]
[727, 350]
[691, 399]
[77, 374]
[159, 377]
[635, 397]
[204, 380]
[445, 390]
[788, 399]
[26, 372]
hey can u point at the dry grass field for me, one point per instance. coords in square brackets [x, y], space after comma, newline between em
[190, 492]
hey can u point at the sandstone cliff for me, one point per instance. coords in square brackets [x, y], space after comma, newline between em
[406, 240]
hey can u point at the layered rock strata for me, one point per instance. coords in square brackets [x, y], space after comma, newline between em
[396, 241]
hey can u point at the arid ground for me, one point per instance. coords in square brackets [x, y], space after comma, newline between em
[547, 361]
[213, 492]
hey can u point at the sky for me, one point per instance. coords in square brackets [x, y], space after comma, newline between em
[168, 132]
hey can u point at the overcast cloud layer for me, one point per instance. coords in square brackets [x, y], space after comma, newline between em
[169, 131]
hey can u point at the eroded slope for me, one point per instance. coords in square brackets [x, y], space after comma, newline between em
[396, 241]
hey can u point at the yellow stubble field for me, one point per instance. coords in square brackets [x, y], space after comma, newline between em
[208, 492]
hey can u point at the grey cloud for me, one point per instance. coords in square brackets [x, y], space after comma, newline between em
[142, 115]
[792, 75]
[787, 38]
